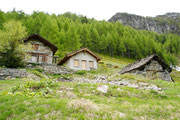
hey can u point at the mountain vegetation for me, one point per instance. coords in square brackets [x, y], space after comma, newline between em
[70, 32]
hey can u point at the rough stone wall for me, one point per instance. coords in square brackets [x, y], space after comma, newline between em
[41, 50]
[8, 73]
[145, 23]
[154, 71]
[52, 69]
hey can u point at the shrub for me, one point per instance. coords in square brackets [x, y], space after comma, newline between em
[12, 59]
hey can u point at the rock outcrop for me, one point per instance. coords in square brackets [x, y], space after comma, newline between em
[161, 23]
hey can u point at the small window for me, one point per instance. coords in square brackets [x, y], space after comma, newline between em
[91, 64]
[35, 47]
[34, 58]
[44, 59]
[76, 63]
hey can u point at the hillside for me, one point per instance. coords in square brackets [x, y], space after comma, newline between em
[167, 23]
[75, 96]
[113, 39]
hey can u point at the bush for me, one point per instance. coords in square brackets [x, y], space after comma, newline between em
[12, 59]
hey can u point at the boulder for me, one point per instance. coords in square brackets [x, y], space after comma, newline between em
[103, 88]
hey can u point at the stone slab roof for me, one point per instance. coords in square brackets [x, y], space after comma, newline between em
[143, 62]
[43, 40]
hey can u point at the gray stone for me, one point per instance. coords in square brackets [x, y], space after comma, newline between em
[103, 88]
[143, 84]
[16, 75]
[147, 23]
[133, 85]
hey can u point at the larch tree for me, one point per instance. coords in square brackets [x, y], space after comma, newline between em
[50, 30]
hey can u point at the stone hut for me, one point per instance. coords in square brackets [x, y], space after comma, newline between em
[151, 66]
[43, 51]
[82, 59]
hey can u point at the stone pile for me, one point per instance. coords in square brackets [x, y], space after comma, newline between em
[105, 80]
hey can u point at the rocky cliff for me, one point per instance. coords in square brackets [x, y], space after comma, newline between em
[169, 22]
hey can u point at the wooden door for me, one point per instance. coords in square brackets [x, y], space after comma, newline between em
[84, 65]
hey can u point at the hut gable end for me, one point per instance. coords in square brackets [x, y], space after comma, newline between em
[141, 63]
[82, 59]
[42, 51]
[151, 66]
[36, 37]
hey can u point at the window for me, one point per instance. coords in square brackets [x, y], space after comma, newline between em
[76, 63]
[44, 59]
[40, 59]
[35, 47]
[91, 64]
[34, 58]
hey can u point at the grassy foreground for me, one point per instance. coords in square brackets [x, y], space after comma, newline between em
[50, 99]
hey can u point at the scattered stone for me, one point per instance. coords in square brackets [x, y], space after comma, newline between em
[118, 89]
[103, 88]
[143, 84]
[178, 95]
[104, 80]
[64, 79]
[60, 91]
[133, 85]
[69, 89]
[109, 65]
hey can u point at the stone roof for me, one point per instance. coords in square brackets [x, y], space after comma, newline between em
[143, 62]
[43, 40]
[62, 61]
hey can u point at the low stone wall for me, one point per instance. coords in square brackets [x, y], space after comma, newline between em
[52, 69]
[9, 73]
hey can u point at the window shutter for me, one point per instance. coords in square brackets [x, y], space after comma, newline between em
[76, 63]
[91, 64]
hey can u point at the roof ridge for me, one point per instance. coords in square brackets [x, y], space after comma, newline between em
[77, 51]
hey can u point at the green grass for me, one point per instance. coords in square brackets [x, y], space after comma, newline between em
[49, 99]
[7, 84]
